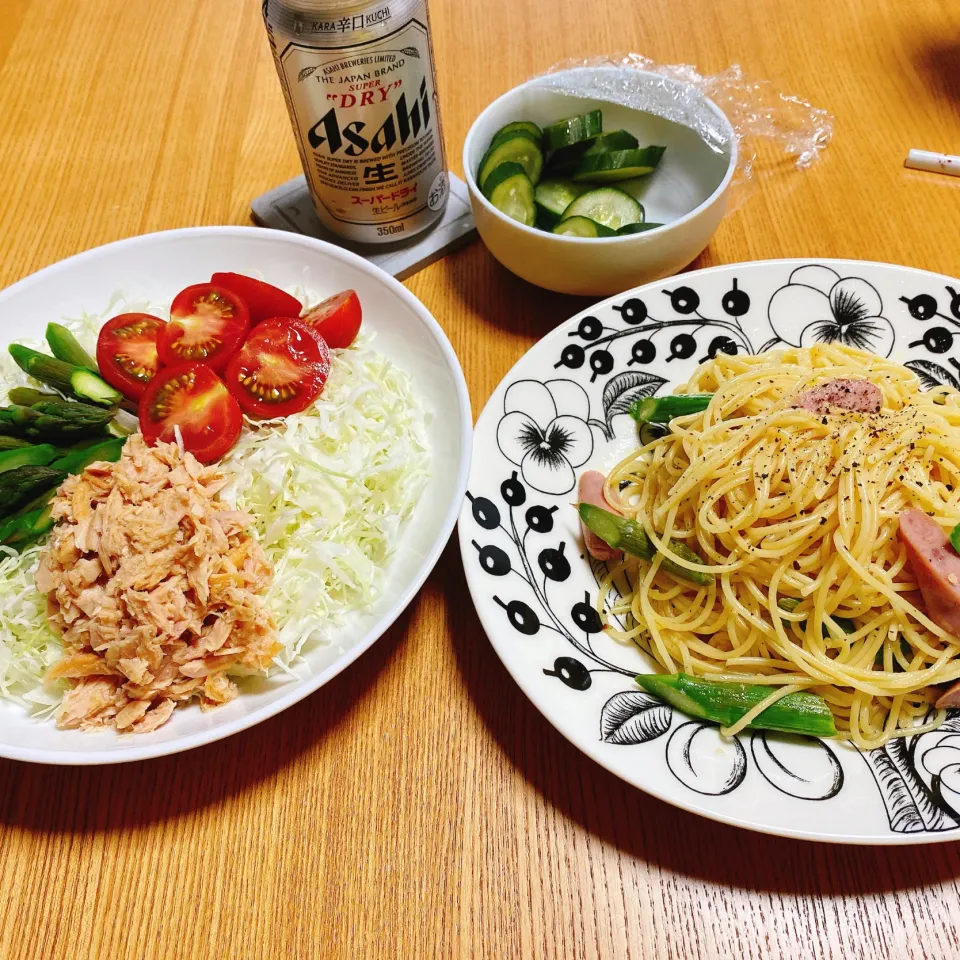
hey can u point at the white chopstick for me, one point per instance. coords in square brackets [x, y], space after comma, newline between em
[933, 162]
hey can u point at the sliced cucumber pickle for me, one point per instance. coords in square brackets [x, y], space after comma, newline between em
[566, 160]
[519, 148]
[576, 160]
[526, 127]
[629, 228]
[617, 165]
[545, 219]
[582, 227]
[607, 205]
[557, 195]
[614, 140]
[552, 198]
[563, 133]
[504, 137]
[510, 190]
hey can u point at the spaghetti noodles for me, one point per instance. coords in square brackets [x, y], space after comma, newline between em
[796, 514]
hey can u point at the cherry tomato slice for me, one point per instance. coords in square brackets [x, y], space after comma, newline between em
[280, 370]
[192, 397]
[207, 325]
[127, 352]
[337, 319]
[263, 300]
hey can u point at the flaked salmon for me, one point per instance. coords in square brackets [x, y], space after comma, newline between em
[156, 588]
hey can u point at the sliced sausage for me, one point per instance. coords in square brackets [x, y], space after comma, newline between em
[590, 490]
[936, 568]
[951, 699]
[861, 396]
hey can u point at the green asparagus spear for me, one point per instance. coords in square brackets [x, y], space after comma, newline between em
[41, 500]
[36, 456]
[649, 432]
[905, 649]
[844, 623]
[75, 461]
[79, 382]
[29, 523]
[27, 397]
[73, 409]
[664, 409]
[22, 484]
[34, 519]
[628, 535]
[725, 702]
[117, 429]
[13, 443]
[65, 346]
[89, 442]
[30, 529]
[55, 421]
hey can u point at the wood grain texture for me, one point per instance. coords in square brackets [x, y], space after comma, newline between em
[418, 806]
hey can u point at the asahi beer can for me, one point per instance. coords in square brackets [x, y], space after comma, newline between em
[359, 83]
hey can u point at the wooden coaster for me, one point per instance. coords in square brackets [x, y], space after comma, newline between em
[288, 207]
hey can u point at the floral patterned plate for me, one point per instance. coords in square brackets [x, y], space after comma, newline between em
[562, 409]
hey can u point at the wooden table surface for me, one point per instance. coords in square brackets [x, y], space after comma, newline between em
[418, 806]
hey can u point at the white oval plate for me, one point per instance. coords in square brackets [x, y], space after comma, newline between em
[153, 268]
[535, 592]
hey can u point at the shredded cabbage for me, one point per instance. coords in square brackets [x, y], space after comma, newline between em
[28, 647]
[330, 489]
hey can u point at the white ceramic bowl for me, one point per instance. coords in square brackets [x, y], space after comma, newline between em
[687, 192]
[154, 268]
